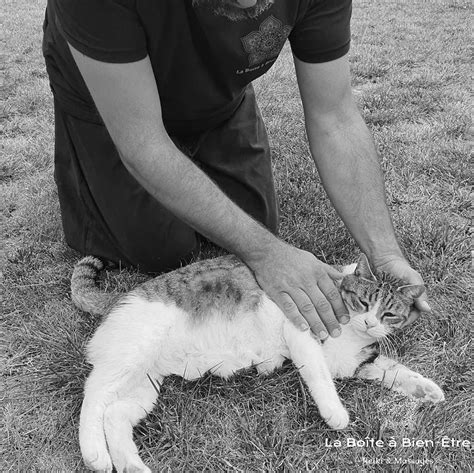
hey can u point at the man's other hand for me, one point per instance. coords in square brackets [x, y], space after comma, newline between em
[400, 268]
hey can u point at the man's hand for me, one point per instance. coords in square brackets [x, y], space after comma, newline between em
[399, 267]
[303, 287]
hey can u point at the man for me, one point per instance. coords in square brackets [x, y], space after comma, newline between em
[158, 137]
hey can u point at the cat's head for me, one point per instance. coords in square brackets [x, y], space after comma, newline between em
[378, 304]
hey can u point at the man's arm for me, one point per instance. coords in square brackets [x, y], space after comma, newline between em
[347, 161]
[127, 98]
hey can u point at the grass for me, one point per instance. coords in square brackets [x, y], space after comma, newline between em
[410, 76]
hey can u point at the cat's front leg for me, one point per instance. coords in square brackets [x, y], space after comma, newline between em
[399, 378]
[307, 355]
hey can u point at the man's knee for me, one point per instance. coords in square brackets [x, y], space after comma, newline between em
[149, 245]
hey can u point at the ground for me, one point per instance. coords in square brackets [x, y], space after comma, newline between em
[411, 79]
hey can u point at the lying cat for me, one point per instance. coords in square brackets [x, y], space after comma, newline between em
[213, 316]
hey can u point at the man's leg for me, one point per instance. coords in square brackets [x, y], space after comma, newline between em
[105, 211]
[236, 155]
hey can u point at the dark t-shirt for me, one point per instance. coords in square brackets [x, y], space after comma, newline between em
[202, 61]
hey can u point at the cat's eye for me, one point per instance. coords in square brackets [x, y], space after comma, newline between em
[364, 304]
[354, 302]
[391, 318]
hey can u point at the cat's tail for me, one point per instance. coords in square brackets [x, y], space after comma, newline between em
[85, 292]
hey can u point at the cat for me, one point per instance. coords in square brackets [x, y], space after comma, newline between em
[212, 316]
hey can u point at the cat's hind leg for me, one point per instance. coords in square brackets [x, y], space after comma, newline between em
[122, 415]
[399, 378]
[99, 392]
[307, 355]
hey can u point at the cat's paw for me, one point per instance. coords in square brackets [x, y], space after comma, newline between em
[427, 390]
[136, 469]
[96, 460]
[126, 459]
[422, 388]
[133, 465]
[335, 416]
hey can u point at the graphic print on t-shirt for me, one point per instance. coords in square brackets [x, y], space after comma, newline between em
[266, 43]
[203, 60]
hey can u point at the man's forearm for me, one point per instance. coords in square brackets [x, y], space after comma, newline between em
[295, 280]
[178, 184]
[349, 167]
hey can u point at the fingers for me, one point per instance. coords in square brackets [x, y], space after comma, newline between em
[319, 306]
[402, 270]
[422, 303]
[333, 296]
[310, 311]
[414, 314]
[289, 308]
[305, 291]
[318, 313]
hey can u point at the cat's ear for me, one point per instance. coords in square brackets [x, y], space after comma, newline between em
[363, 269]
[412, 291]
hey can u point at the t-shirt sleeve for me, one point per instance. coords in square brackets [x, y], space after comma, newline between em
[323, 33]
[105, 30]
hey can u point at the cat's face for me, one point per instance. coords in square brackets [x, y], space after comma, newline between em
[378, 305]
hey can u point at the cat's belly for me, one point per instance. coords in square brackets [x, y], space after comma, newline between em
[225, 364]
[161, 339]
[224, 346]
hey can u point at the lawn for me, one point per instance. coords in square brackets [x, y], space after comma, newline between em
[411, 79]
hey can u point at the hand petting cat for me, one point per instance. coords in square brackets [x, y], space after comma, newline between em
[288, 276]
[401, 269]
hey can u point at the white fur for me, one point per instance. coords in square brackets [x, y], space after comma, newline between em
[142, 342]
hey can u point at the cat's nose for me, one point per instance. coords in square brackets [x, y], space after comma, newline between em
[370, 323]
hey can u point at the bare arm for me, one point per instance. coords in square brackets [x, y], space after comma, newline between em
[132, 114]
[127, 98]
[347, 161]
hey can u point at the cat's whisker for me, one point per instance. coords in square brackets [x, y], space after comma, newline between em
[383, 346]
[388, 347]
